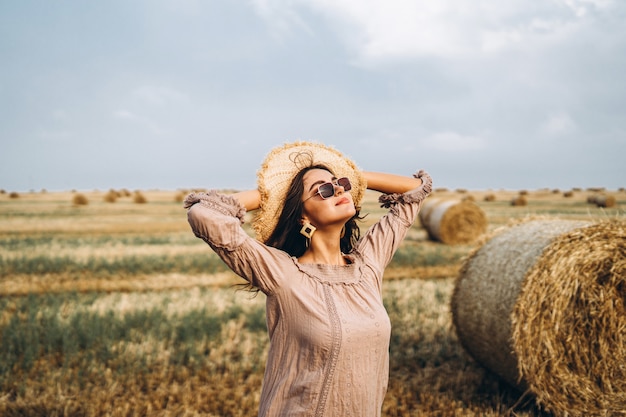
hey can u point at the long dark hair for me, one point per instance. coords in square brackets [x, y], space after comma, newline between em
[286, 235]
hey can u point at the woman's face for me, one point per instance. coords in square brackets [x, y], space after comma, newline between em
[338, 208]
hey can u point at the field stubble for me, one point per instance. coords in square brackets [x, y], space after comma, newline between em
[117, 309]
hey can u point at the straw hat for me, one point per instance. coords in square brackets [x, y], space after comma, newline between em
[280, 167]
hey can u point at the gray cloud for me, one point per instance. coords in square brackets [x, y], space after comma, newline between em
[521, 94]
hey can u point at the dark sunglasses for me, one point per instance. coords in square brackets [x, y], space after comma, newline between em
[327, 189]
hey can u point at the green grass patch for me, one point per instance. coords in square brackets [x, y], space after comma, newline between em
[427, 255]
[39, 328]
[20, 243]
[97, 267]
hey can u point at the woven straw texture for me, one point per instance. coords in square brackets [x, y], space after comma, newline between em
[280, 167]
[452, 221]
[541, 304]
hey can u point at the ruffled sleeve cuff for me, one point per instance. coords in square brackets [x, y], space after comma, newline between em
[414, 196]
[222, 203]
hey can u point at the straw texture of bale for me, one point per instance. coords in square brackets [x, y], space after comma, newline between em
[452, 221]
[542, 305]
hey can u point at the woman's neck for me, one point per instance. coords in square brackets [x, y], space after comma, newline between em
[323, 251]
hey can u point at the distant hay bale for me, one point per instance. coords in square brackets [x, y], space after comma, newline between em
[542, 304]
[179, 196]
[490, 197]
[605, 201]
[139, 198]
[452, 221]
[568, 194]
[519, 200]
[111, 196]
[14, 194]
[80, 199]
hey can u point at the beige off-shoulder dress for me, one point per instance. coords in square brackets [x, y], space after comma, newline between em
[328, 328]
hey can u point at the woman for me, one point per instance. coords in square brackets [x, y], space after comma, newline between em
[329, 331]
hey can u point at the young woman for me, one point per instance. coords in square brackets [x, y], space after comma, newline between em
[329, 331]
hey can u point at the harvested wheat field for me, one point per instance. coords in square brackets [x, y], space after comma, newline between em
[109, 306]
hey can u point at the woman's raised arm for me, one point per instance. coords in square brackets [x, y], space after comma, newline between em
[390, 183]
[250, 199]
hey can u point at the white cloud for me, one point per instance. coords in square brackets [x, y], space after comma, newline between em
[55, 135]
[581, 7]
[138, 120]
[125, 115]
[559, 124]
[280, 16]
[60, 115]
[156, 95]
[400, 29]
[453, 142]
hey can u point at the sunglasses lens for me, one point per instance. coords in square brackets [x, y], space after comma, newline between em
[326, 190]
[345, 183]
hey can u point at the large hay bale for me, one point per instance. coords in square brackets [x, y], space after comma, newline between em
[452, 221]
[542, 304]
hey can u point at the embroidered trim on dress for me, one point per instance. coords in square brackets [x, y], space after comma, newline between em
[414, 196]
[316, 272]
[335, 329]
[225, 204]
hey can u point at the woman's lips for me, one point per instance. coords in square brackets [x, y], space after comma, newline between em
[342, 201]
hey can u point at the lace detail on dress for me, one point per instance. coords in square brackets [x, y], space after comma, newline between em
[225, 204]
[414, 196]
[335, 326]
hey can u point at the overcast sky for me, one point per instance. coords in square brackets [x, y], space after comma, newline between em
[168, 94]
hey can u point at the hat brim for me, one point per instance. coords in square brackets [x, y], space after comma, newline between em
[278, 170]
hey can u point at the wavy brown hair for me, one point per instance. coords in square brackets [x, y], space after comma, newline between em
[286, 235]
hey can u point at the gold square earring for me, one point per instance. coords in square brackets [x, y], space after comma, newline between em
[307, 229]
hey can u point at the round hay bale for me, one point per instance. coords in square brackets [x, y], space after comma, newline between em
[452, 221]
[80, 199]
[543, 305]
[139, 198]
[605, 201]
[520, 200]
[111, 196]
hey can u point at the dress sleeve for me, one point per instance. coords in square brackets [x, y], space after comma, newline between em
[217, 219]
[382, 240]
